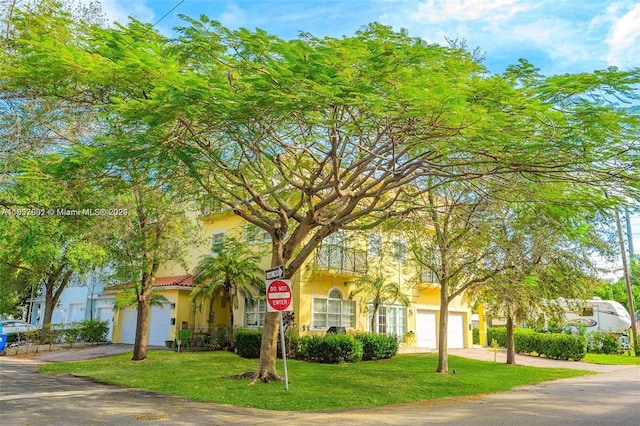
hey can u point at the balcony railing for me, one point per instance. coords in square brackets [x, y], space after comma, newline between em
[428, 277]
[341, 259]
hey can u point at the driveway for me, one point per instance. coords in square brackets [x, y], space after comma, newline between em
[611, 397]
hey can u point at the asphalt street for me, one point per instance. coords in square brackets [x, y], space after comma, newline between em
[611, 397]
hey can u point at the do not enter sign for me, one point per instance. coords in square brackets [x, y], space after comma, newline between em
[279, 296]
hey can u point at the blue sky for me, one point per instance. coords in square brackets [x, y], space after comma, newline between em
[558, 36]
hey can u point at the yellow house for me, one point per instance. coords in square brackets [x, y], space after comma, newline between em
[321, 288]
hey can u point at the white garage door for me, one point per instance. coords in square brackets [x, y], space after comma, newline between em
[128, 326]
[106, 314]
[455, 331]
[159, 325]
[426, 328]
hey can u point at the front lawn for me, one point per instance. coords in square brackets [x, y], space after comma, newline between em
[611, 359]
[405, 378]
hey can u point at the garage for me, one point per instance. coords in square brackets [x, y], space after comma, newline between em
[455, 331]
[159, 325]
[426, 327]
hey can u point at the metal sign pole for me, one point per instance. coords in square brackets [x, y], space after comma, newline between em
[284, 354]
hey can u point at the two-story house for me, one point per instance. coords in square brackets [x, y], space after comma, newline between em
[322, 291]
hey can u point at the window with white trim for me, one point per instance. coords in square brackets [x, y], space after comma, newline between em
[333, 311]
[256, 235]
[374, 246]
[392, 319]
[399, 249]
[254, 312]
[217, 242]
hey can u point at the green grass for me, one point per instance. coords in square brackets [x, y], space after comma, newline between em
[404, 378]
[611, 359]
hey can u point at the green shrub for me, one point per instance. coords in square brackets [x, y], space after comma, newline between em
[476, 336]
[600, 342]
[93, 331]
[331, 349]
[377, 346]
[499, 334]
[219, 337]
[550, 345]
[248, 343]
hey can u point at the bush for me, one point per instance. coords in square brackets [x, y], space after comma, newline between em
[93, 331]
[550, 345]
[377, 346]
[476, 336]
[331, 349]
[499, 334]
[600, 342]
[248, 343]
[219, 337]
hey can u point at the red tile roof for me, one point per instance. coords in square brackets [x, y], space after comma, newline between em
[177, 280]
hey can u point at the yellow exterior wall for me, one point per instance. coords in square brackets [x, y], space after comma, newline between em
[306, 283]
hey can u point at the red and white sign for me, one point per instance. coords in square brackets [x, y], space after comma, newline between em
[279, 296]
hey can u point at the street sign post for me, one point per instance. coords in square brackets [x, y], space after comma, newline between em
[274, 273]
[279, 295]
[279, 299]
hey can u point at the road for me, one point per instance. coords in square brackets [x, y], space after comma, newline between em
[611, 397]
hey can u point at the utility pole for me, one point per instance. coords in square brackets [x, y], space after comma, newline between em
[627, 280]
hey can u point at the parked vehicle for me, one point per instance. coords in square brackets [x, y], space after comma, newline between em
[598, 315]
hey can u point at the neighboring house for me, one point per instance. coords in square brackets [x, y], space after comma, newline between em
[321, 292]
[83, 299]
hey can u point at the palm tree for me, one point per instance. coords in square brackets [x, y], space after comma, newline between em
[378, 290]
[229, 272]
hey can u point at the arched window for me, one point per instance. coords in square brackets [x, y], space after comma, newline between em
[332, 310]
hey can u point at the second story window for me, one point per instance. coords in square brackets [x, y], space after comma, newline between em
[374, 245]
[256, 235]
[399, 249]
[217, 242]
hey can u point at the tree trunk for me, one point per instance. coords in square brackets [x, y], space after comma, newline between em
[144, 314]
[52, 295]
[443, 360]
[511, 352]
[268, 350]
[232, 339]
[269, 345]
[142, 327]
[374, 314]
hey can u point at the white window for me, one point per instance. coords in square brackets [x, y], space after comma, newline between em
[256, 235]
[399, 249]
[254, 312]
[375, 245]
[392, 319]
[217, 242]
[333, 311]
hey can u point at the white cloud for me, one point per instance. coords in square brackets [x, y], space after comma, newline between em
[120, 10]
[233, 16]
[437, 11]
[624, 38]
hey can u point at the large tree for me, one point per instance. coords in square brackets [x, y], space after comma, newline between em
[305, 137]
[541, 255]
[47, 239]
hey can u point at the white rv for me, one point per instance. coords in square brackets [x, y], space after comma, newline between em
[598, 315]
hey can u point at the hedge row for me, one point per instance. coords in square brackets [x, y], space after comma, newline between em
[331, 348]
[90, 331]
[549, 345]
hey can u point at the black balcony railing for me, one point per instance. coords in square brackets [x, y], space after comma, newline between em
[339, 258]
[428, 276]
